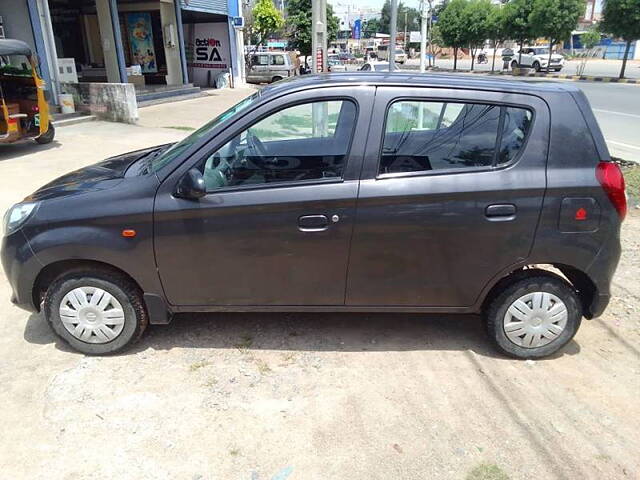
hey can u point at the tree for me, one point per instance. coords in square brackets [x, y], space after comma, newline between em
[299, 25]
[622, 19]
[589, 40]
[267, 20]
[476, 25]
[496, 30]
[518, 26]
[371, 27]
[556, 19]
[451, 24]
[411, 15]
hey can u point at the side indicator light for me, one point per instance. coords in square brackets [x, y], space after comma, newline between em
[581, 214]
[128, 233]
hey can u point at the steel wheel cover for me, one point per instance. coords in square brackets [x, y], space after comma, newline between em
[535, 319]
[92, 315]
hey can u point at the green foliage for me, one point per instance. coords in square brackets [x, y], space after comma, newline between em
[556, 19]
[476, 22]
[371, 27]
[518, 26]
[590, 38]
[412, 18]
[497, 28]
[299, 25]
[452, 24]
[267, 20]
[622, 19]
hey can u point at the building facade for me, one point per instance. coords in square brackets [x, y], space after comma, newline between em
[152, 44]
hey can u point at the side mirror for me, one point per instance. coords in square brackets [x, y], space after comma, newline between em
[191, 186]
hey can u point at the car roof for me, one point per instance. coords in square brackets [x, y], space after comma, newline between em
[14, 47]
[409, 80]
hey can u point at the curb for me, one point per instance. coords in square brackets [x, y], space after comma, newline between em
[583, 78]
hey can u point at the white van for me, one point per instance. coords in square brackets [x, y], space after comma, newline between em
[383, 54]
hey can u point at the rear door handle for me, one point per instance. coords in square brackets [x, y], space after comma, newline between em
[501, 212]
[313, 223]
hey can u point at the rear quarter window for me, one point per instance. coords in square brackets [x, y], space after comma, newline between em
[424, 136]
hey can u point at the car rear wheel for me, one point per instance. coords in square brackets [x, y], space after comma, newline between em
[95, 312]
[276, 79]
[534, 317]
[47, 137]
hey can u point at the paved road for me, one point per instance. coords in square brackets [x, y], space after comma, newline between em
[595, 67]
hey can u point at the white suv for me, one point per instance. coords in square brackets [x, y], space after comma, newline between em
[538, 58]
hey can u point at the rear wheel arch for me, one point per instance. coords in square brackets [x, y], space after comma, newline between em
[576, 278]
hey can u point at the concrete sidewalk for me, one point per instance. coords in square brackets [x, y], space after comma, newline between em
[190, 114]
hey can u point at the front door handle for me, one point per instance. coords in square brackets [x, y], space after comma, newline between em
[313, 223]
[501, 212]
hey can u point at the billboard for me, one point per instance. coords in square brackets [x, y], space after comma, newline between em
[357, 29]
[208, 52]
[141, 41]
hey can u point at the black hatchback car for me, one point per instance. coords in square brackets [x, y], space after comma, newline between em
[346, 192]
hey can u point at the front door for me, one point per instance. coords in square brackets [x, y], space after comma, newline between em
[450, 196]
[275, 226]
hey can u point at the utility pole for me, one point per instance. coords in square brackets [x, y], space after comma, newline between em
[393, 34]
[404, 39]
[423, 36]
[319, 35]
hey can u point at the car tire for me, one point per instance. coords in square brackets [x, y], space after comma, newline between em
[47, 137]
[536, 66]
[514, 64]
[276, 79]
[551, 319]
[86, 323]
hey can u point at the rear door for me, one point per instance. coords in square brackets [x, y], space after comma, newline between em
[451, 192]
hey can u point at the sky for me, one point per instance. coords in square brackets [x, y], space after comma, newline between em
[374, 3]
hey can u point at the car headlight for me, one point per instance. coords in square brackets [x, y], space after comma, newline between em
[17, 215]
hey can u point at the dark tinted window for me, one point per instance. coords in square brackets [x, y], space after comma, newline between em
[304, 142]
[514, 132]
[422, 136]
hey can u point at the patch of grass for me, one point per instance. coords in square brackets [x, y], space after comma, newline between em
[245, 342]
[632, 180]
[213, 381]
[181, 127]
[487, 471]
[194, 367]
[263, 367]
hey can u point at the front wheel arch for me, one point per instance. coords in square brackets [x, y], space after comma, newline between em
[54, 270]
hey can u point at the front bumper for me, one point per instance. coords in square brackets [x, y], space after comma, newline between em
[21, 268]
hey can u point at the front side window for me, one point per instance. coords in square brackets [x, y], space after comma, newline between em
[423, 136]
[261, 59]
[299, 143]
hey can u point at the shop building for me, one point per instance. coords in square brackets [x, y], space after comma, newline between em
[153, 44]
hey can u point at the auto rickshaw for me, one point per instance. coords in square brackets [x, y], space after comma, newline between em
[25, 112]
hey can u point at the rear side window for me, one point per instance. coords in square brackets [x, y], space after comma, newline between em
[277, 60]
[423, 136]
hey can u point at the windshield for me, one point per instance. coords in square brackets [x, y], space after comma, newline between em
[164, 157]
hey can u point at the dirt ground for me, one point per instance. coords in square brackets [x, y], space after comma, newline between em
[313, 396]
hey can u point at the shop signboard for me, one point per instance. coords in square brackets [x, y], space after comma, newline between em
[141, 41]
[209, 52]
[357, 27]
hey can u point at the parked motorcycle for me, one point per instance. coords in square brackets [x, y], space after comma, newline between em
[482, 58]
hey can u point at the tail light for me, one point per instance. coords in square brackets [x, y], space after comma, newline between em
[610, 177]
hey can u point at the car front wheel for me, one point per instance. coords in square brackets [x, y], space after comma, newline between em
[95, 312]
[536, 66]
[534, 317]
